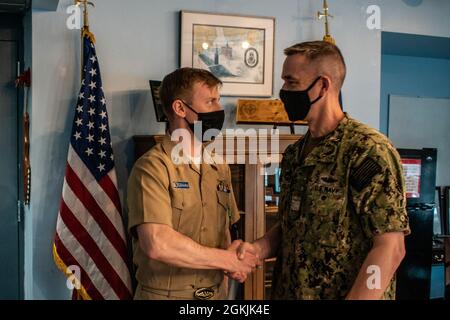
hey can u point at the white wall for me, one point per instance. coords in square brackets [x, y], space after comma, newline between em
[416, 123]
[412, 76]
[137, 40]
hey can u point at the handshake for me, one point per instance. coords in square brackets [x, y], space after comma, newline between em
[246, 258]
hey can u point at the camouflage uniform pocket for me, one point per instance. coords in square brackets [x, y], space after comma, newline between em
[324, 217]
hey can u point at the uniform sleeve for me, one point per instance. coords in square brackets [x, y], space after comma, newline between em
[378, 191]
[148, 194]
[235, 216]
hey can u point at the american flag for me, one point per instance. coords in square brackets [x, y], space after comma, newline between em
[90, 235]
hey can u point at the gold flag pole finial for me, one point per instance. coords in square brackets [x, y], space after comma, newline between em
[85, 4]
[325, 14]
[85, 29]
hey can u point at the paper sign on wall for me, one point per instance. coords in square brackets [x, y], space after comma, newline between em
[411, 170]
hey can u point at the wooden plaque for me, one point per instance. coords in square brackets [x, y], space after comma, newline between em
[263, 112]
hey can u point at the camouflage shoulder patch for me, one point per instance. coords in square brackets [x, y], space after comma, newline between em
[363, 175]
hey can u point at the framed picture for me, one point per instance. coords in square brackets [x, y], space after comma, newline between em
[154, 87]
[236, 49]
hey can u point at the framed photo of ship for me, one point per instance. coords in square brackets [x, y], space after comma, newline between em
[236, 49]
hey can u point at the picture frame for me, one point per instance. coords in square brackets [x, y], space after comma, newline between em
[239, 50]
[159, 112]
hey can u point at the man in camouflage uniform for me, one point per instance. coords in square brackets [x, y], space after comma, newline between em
[342, 207]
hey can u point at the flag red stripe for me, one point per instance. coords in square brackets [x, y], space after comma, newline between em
[69, 260]
[96, 212]
[83, 237]
[111, 190]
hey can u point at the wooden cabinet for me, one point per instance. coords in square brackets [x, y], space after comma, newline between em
[257, 195]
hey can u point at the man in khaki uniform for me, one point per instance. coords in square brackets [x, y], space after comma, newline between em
[180, 213]
[342, 204]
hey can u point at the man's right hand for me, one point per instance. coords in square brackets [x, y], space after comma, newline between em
[244, 261]
[248, 248]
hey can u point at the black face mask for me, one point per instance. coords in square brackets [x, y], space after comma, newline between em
[297, 103]
[210, 120]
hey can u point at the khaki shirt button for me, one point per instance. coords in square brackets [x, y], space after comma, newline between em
[203, 229]
[204, 204]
